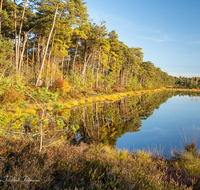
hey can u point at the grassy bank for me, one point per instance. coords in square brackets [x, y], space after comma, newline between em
[21, 97]
[104, 97]
[69, 102]
[62, 166]
[93, 167]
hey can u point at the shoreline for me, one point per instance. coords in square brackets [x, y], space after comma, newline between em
[69, 103]
[72, 102]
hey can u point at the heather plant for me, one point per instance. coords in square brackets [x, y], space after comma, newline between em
[84, 167]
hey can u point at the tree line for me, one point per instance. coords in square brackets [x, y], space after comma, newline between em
[49, 41]
[188, 82]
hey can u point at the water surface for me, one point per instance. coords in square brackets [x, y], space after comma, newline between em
[167, 128]
[156, 120]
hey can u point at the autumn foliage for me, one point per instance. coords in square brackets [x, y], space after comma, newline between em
[59, 83]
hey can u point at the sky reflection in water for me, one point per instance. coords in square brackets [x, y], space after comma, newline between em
[163, 128]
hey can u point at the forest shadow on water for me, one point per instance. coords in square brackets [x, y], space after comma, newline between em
[120, 123]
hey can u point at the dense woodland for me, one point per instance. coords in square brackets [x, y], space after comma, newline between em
[45, 42]
[186, 82]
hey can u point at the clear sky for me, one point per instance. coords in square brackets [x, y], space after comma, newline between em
[168, 31]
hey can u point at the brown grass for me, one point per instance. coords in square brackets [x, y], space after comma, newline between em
[84, 167]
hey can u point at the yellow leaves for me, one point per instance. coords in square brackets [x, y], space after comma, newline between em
[143, 154]
[82, 35]
[66, 87]
[16, 137]
[114, 54]
[30, 111]
[104, 59]
[112, 134]
[60, 49]
[105, 45]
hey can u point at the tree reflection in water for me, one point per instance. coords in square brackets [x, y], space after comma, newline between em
[106, 122]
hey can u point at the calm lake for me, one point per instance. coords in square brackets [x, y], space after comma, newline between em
[157, 121]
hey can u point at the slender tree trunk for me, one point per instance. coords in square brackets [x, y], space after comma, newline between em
[43, 60]
[67, 66]
[16, 46]
[75, 54]
[97, 119]
[33, 58]
[25, 40]
[42, 50]
[126, 78]
[85, 60]
[19, 36]
[23, 49]
[27, 56]
[93, 64]
[54, 76]
[85, 64]
[2, 74]
[41, 130]
[140, 82]
[62, 67]
[53, 70]
[122, 71]
[0, 11]
[102, 81]
[49, 62]
[38, 53]
[97, 76]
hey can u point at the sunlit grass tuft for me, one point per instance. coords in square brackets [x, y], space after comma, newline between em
[30, 111]
[143, 154]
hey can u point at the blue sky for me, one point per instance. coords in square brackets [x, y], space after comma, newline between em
[168, 31]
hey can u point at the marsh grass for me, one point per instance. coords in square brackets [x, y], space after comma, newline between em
[189, 138]
[186, 162]
[156, 151]
[85, 167]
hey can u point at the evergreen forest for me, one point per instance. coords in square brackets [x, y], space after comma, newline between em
[54, 43]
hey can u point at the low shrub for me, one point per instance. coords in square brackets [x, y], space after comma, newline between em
[116, 88]
[83, 167]
[11, 91]
[59, 83]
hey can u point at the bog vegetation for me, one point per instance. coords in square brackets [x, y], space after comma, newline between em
[51, 55]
